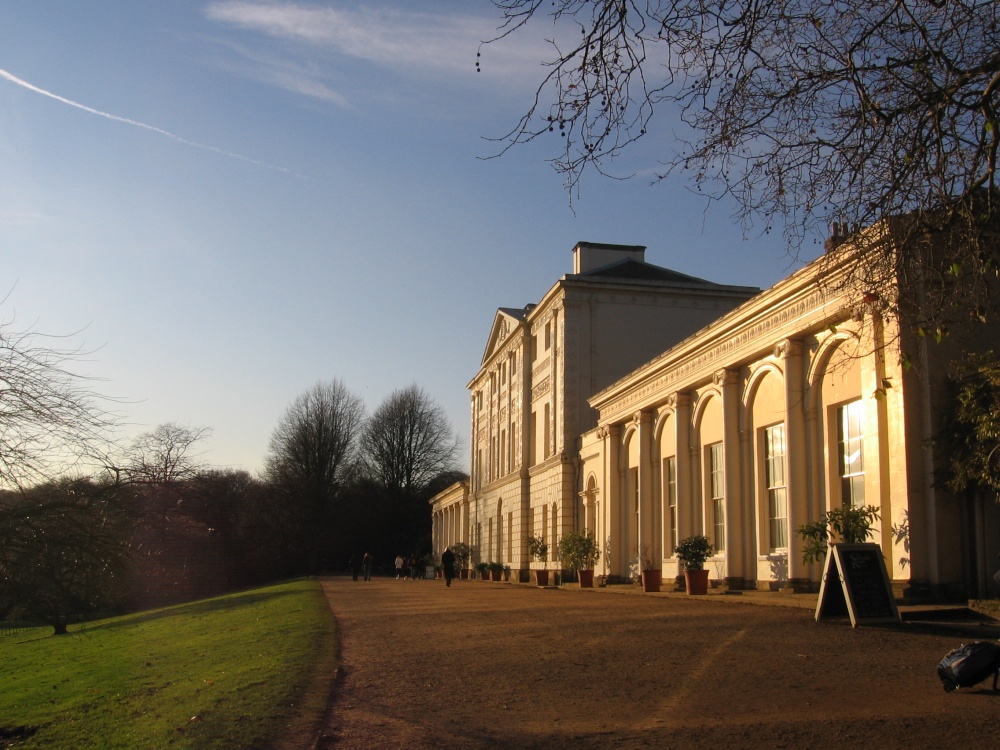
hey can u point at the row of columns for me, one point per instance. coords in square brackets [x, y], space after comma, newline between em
[740, 454]
[450, 526]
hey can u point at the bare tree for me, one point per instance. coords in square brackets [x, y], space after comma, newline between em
[311, 451]
[165, 454]
[50, 420]
[806, 112]
[407, 443]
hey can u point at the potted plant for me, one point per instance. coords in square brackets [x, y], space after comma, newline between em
[579, 552]
[650, 570]
[850, 525]
[539, 552]
[496, 571]
[692, 554]
[483, 569]
[462, 552]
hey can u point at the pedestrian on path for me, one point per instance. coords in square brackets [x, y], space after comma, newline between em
[448, 564]
[355, 564]
[368, 562]
[400, 562]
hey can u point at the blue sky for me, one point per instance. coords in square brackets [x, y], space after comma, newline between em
[231, 201]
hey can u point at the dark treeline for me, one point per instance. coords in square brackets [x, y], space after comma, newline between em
[155, 527]
[223, 530]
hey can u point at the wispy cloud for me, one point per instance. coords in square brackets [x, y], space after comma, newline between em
[135, 123]
[406, 42]
[387, 37]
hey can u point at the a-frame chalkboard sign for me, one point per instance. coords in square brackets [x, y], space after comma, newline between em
[856, 583]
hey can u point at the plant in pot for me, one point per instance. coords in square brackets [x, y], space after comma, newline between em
[539, 552]
[578, 551]
[496, 571]
[848, 524]
[462, 552]
[650, 569]
[692, 553]
[483, 569]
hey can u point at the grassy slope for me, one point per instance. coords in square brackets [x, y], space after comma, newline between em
[229, 672]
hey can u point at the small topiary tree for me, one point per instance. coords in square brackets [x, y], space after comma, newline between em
[463, 553]
[579, 551]
[537, 548]
[694, 551]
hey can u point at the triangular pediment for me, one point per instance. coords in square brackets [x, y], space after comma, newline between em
[506, 323]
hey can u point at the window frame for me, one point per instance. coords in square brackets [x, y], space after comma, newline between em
[776, 485]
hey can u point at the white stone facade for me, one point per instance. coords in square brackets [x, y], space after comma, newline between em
[529, 400]
[792, 404]
[645, 406]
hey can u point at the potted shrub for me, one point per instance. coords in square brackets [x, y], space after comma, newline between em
[539, 552]
[496, 571]
[650, 570]
[692, 553]
[579, 552]
[462, 552]
[849, 525]
[483, 569]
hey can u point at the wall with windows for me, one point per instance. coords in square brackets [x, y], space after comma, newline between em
[789, 406]
[792, 403]
[529, 398]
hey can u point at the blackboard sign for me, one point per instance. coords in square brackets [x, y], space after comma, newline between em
[855, 582]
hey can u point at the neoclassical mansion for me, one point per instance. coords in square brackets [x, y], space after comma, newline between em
[644, 406]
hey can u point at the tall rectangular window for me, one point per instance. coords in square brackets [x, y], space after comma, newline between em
[533, 437]
[504, 468]
[670, 492]
[717, 494]
[850, 445]
[547, 436]
[774, 477]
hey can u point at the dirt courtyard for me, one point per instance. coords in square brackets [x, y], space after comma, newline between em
[495, 665]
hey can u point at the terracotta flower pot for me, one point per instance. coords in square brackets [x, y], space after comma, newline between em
[696, 581]
[586, 578]
[542, 577]
[651, 581]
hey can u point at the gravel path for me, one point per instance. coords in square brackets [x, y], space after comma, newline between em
[495, 665]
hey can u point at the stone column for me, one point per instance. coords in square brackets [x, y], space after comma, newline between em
[736, 520]
[618, 563]
[688, 513]
[790, 352]
[648, 515]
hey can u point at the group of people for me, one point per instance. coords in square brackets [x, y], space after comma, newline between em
[407, 568]
[365, 563]
[404, 568]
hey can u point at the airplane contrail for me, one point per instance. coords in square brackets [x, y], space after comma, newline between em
[31, 87]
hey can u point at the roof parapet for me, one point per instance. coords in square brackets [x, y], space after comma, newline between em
[590, 255]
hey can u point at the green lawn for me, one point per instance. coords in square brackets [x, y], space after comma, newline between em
[230, 672]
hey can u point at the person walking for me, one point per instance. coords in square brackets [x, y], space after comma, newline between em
[448, 564]
[367, 562]
[400, 562]
[355, 566]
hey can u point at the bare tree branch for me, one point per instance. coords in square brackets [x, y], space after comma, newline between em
[805, 112]
[50, 420]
